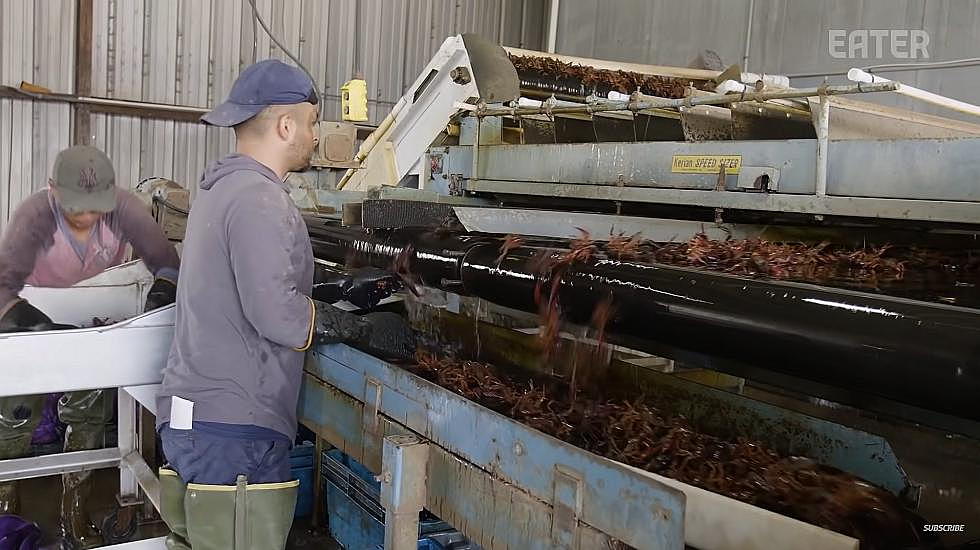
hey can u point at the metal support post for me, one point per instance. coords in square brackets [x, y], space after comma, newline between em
[475, 174]
[403, 489]
[128, 411]
[822, 127]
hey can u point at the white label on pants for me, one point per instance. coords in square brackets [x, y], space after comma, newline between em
[181, 413]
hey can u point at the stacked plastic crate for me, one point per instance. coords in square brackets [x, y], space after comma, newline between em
[356, 518]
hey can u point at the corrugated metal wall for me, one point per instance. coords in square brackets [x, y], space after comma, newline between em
[36, 45]
[788, 36]
[189, 52]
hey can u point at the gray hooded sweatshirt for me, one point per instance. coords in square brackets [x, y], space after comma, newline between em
[243, 317]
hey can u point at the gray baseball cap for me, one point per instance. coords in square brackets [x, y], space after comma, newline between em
[84, 180]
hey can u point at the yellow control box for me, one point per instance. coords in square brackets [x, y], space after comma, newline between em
[353, 100]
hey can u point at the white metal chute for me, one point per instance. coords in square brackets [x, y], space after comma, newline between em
[117, 293]
[465, 68]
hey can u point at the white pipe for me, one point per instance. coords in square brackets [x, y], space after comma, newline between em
[770, 80]
[523, 22]
[553, 26]
[536, 104]
[730, 86]
[503, 22]
[640, 102]
[617, 96]
[748, 36]
[857, 75]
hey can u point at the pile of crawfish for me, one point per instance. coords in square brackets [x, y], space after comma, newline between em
[818, 263]
[821, 262]
[622, 81]
[635, 432]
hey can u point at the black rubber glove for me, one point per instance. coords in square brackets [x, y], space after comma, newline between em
[162, 293]
[364, 287]
[331, 286]
[334, 325]
[370, 285]
[23, 317]
[384, 334]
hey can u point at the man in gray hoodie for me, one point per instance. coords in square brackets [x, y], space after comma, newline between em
[244, 317]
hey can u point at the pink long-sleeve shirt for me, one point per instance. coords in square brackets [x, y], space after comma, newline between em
[37, 247]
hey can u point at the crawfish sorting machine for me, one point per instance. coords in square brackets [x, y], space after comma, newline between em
[665, 306]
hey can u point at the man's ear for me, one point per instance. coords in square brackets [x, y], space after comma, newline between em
[286, 125]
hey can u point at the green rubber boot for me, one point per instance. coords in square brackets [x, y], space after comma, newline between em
[172, 492]
[86, 413]
[240, 517]
[19, 415]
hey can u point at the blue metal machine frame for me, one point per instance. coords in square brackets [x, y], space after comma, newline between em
[498, 481]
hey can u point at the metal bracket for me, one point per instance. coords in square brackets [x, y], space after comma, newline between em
[759, 178]
[567, 509]
[372, 402]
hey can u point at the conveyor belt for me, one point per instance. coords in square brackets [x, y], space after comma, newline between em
[872, 347]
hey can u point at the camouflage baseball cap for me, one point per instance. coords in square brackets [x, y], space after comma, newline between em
[84, 180]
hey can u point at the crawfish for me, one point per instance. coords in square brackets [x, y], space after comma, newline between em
[510, 243]
[623, 247]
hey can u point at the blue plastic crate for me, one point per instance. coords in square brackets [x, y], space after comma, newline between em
[355, 516]
[301, 468]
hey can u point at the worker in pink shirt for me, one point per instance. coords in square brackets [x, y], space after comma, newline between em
[81, 225]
